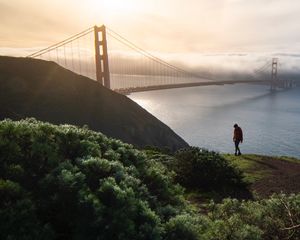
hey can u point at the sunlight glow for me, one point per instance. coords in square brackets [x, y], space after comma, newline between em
[112, 7]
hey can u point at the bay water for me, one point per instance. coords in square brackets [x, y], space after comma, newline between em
[204, 116]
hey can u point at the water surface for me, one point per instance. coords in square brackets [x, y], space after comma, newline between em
[204, 116]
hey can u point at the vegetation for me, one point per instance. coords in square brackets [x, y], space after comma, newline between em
[274, 218]
[206, 171]
[268, 174]
[250, 166]
[65, 182]
[68, 183]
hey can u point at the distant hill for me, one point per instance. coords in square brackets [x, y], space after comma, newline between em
[48, 92]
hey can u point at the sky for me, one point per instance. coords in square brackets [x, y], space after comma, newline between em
[187, 27]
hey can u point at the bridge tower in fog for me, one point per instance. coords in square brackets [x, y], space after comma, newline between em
[126, 68]
[101, 56]
[274, 77]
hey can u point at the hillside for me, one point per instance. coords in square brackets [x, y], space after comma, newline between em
[65, 182]
[48, 92]
[202, 173]
[268, 174]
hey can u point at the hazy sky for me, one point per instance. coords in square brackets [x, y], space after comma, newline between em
[172, 26]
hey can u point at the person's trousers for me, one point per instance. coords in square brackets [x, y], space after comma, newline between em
[236, 143]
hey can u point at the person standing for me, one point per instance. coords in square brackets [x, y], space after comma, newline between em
[237, 138]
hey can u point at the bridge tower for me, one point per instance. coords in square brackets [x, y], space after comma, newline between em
[101, 56]
[274, 78]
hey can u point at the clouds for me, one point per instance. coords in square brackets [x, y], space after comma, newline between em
[268, 22]
[219, 25]
[31, 23]
[163, 26]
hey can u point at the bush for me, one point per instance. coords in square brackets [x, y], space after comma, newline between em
[186, 226]
[67, 182]
[275, 218]
[18, 219]
[200, 169]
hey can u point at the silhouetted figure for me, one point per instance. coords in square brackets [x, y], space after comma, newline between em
[237, 138]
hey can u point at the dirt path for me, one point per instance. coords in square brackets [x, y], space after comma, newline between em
[284, 176]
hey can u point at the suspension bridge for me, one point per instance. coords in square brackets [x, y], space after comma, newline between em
[118, 64]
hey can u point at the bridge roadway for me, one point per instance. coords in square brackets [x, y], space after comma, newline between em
[127, 91]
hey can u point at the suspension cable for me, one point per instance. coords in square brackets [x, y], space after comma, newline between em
[59, 44]
[149, 55]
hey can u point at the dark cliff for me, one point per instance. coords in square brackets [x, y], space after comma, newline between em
[48, 92]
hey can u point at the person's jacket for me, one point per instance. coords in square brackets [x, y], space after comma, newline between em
[238, 134]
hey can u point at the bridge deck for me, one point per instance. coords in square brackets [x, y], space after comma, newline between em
[183, 85]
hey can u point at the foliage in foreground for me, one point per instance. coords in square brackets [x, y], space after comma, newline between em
[203, 170]
[64, 182]
[276, 218]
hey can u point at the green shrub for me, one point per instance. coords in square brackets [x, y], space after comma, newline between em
[73, 183]
[273, 218]
[185, 226]
[18, 216]
[200, 169]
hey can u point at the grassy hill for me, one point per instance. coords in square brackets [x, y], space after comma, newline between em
[48, 92]
[268, 175]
